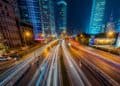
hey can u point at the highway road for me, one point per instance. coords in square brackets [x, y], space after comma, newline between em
[107, 67]
[48, 72]
[76, 75]
[63, 64]
[22, 68]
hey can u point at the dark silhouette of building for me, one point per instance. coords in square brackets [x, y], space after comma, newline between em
[8, 26]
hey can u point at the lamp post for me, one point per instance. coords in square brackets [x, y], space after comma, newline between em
[110, 34]
[27, 35]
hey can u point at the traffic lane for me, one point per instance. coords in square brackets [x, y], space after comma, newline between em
[64, 75]
[76, 76]
[106, 55]
[10, 71]
[25, 79]
[113, 65]
[59, 68]
[6, 65]
[17, 65]
[44, 70]
[103, 54]
[91, 76]
[39, 77]
[53, 72]
[108, 69]
[56, 81]
[17, 69]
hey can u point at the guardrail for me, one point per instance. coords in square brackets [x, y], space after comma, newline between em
[11, 79]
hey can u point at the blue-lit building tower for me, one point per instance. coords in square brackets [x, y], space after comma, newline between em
[97, 17]
[30, 13]
[118, 26]
[110, 25]
[61, 16]
[47, 16]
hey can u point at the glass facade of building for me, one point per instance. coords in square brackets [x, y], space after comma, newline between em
[118, 41]
[118, 26]
[30, 12]
[47, 16]
[62, 16]
[97, 16]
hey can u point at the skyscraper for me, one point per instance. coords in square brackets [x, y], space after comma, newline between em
[97, 16]
[30, 13]
[110, 24]
[8, 26]
[47, 16]
[118, 26]
[118, 41]
[61, 16]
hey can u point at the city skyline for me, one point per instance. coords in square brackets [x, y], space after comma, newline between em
[79, 19]
[59, 42]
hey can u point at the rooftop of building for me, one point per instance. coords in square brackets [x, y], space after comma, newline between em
[61, 2]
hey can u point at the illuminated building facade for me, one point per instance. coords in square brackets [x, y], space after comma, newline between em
[110, 25]
[97, 16]
[8, 26]
[47, 16]
[118, 41]
[62, 16]
[118, 26]
[30, 13]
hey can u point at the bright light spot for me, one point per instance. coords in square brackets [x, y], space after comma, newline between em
[69, 44]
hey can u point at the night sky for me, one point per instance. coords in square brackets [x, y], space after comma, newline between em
[79, 13]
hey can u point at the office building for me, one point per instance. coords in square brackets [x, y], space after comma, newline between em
[118, 26]
[8, 26]
[61, 16]
[97, 17]
[110, 25]
[47, 16]
[118, 40]
[30, 13]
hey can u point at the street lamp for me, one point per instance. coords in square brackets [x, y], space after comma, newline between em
[110, 34]
[43, 35]
[27, 35]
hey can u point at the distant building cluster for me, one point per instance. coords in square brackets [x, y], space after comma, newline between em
[97, 20]
[22, 21]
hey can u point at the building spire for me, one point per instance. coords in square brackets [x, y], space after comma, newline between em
[111, 16]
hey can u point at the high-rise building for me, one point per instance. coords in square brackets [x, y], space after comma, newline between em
[47, 16]
[118, 41]
[97, 16]
[118, 26]
[110, 25]
[8, 26]
[61, 16]
[30, 13]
